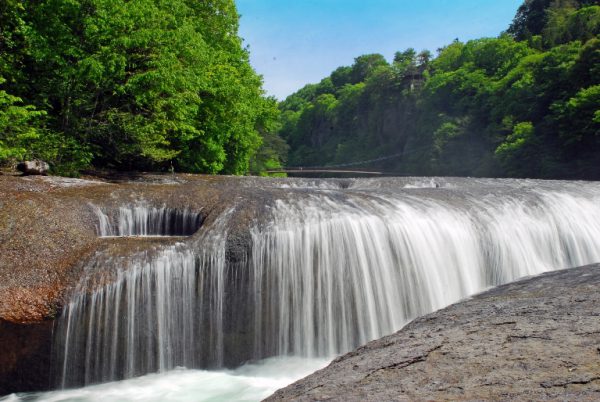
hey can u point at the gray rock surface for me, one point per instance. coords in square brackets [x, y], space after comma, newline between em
[536, 339]
[35, 167]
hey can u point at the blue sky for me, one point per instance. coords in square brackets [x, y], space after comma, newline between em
[296, 42]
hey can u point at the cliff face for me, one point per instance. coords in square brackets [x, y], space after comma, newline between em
[25, 356]
[535, 339]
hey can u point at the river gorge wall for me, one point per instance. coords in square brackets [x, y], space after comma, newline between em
[104, 280]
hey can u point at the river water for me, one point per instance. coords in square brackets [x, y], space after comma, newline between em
[251, 382]
[331, 265]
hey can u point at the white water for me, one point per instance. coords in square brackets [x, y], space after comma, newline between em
[330, 267]
[251, 382]
[338, 273]
[142, 220]
[150, 317]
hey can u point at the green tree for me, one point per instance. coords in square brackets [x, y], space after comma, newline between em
[23, 136]
[142, 83]
[517, 152]
[364, 66]
[522, 104]
[19, 126]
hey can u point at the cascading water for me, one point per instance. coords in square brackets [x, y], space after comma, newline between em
[141, 220]
[331, 274]
[327, 270]
[147, 318]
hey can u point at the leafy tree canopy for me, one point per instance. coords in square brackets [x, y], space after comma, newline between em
[523, 104]
[140, 84]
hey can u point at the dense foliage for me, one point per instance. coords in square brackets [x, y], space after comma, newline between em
[140, 84]
[525, 104]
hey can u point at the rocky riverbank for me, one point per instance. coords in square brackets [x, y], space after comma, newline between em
[535, 339]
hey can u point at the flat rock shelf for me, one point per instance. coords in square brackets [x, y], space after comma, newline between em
[535, 339]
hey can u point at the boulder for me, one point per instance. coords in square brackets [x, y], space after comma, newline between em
[34, 167]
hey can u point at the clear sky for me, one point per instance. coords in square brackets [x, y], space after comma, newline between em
[296, 42]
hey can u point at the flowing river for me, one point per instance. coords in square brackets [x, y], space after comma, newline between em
[331, 265]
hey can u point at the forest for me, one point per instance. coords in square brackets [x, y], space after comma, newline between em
[523, 104]
[130, 85]
[166, 85]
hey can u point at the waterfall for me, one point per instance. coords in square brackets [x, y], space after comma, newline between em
[328, 269]
[330, 275]
[147, 318]
[141, 220]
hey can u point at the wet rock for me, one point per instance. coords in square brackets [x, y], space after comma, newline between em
[26, 348]
[35, 167]
[535, 339]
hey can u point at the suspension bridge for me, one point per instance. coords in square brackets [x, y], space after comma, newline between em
[343, 168]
